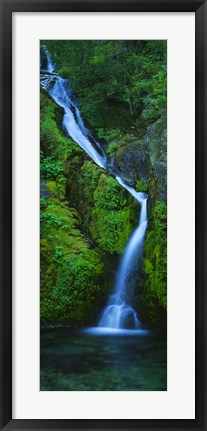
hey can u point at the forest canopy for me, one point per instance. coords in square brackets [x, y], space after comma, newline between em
[113, 75]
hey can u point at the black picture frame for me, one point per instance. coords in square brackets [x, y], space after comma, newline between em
[7, 8]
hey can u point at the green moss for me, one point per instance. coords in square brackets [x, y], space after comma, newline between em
[108, 211]
[70, 268]
[155, 261]
[142, 185]
[53, 140]
[88, 180]
[111, 222]
[77, 286]
[112, 148]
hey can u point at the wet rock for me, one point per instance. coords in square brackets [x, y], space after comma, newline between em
[132, 162]
[144, 160]
[44, 194]
[156, 143]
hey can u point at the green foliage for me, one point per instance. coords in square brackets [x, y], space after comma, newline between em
[108, 135]
[111, 225]
[155, 262]
[109, 194]
[112, 148]
[142, 185]
[117, 81]
[58, 253]
[69, 267]
[50, 169]
[89, 179]
[76, 288]
[55, 146]
[108, 211]
[43, 203]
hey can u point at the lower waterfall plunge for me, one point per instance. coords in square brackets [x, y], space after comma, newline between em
[119, 313]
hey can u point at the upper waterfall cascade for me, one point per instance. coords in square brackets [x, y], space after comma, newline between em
[119, 312]
[61, 92]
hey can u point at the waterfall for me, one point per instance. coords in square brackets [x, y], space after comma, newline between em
[119, 312]
[73, 124]
[50, 66]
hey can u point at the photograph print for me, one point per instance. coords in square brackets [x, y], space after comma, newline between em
[103, 215]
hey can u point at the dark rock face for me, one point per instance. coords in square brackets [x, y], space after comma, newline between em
[132, 161]
[161, 177]
[156, 142]
[145, 159]
[44, 194]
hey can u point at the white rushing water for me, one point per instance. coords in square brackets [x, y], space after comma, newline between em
[119, 313]
[50, 66]
[73, 124]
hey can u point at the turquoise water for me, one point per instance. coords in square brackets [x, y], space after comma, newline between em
[91, 360]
